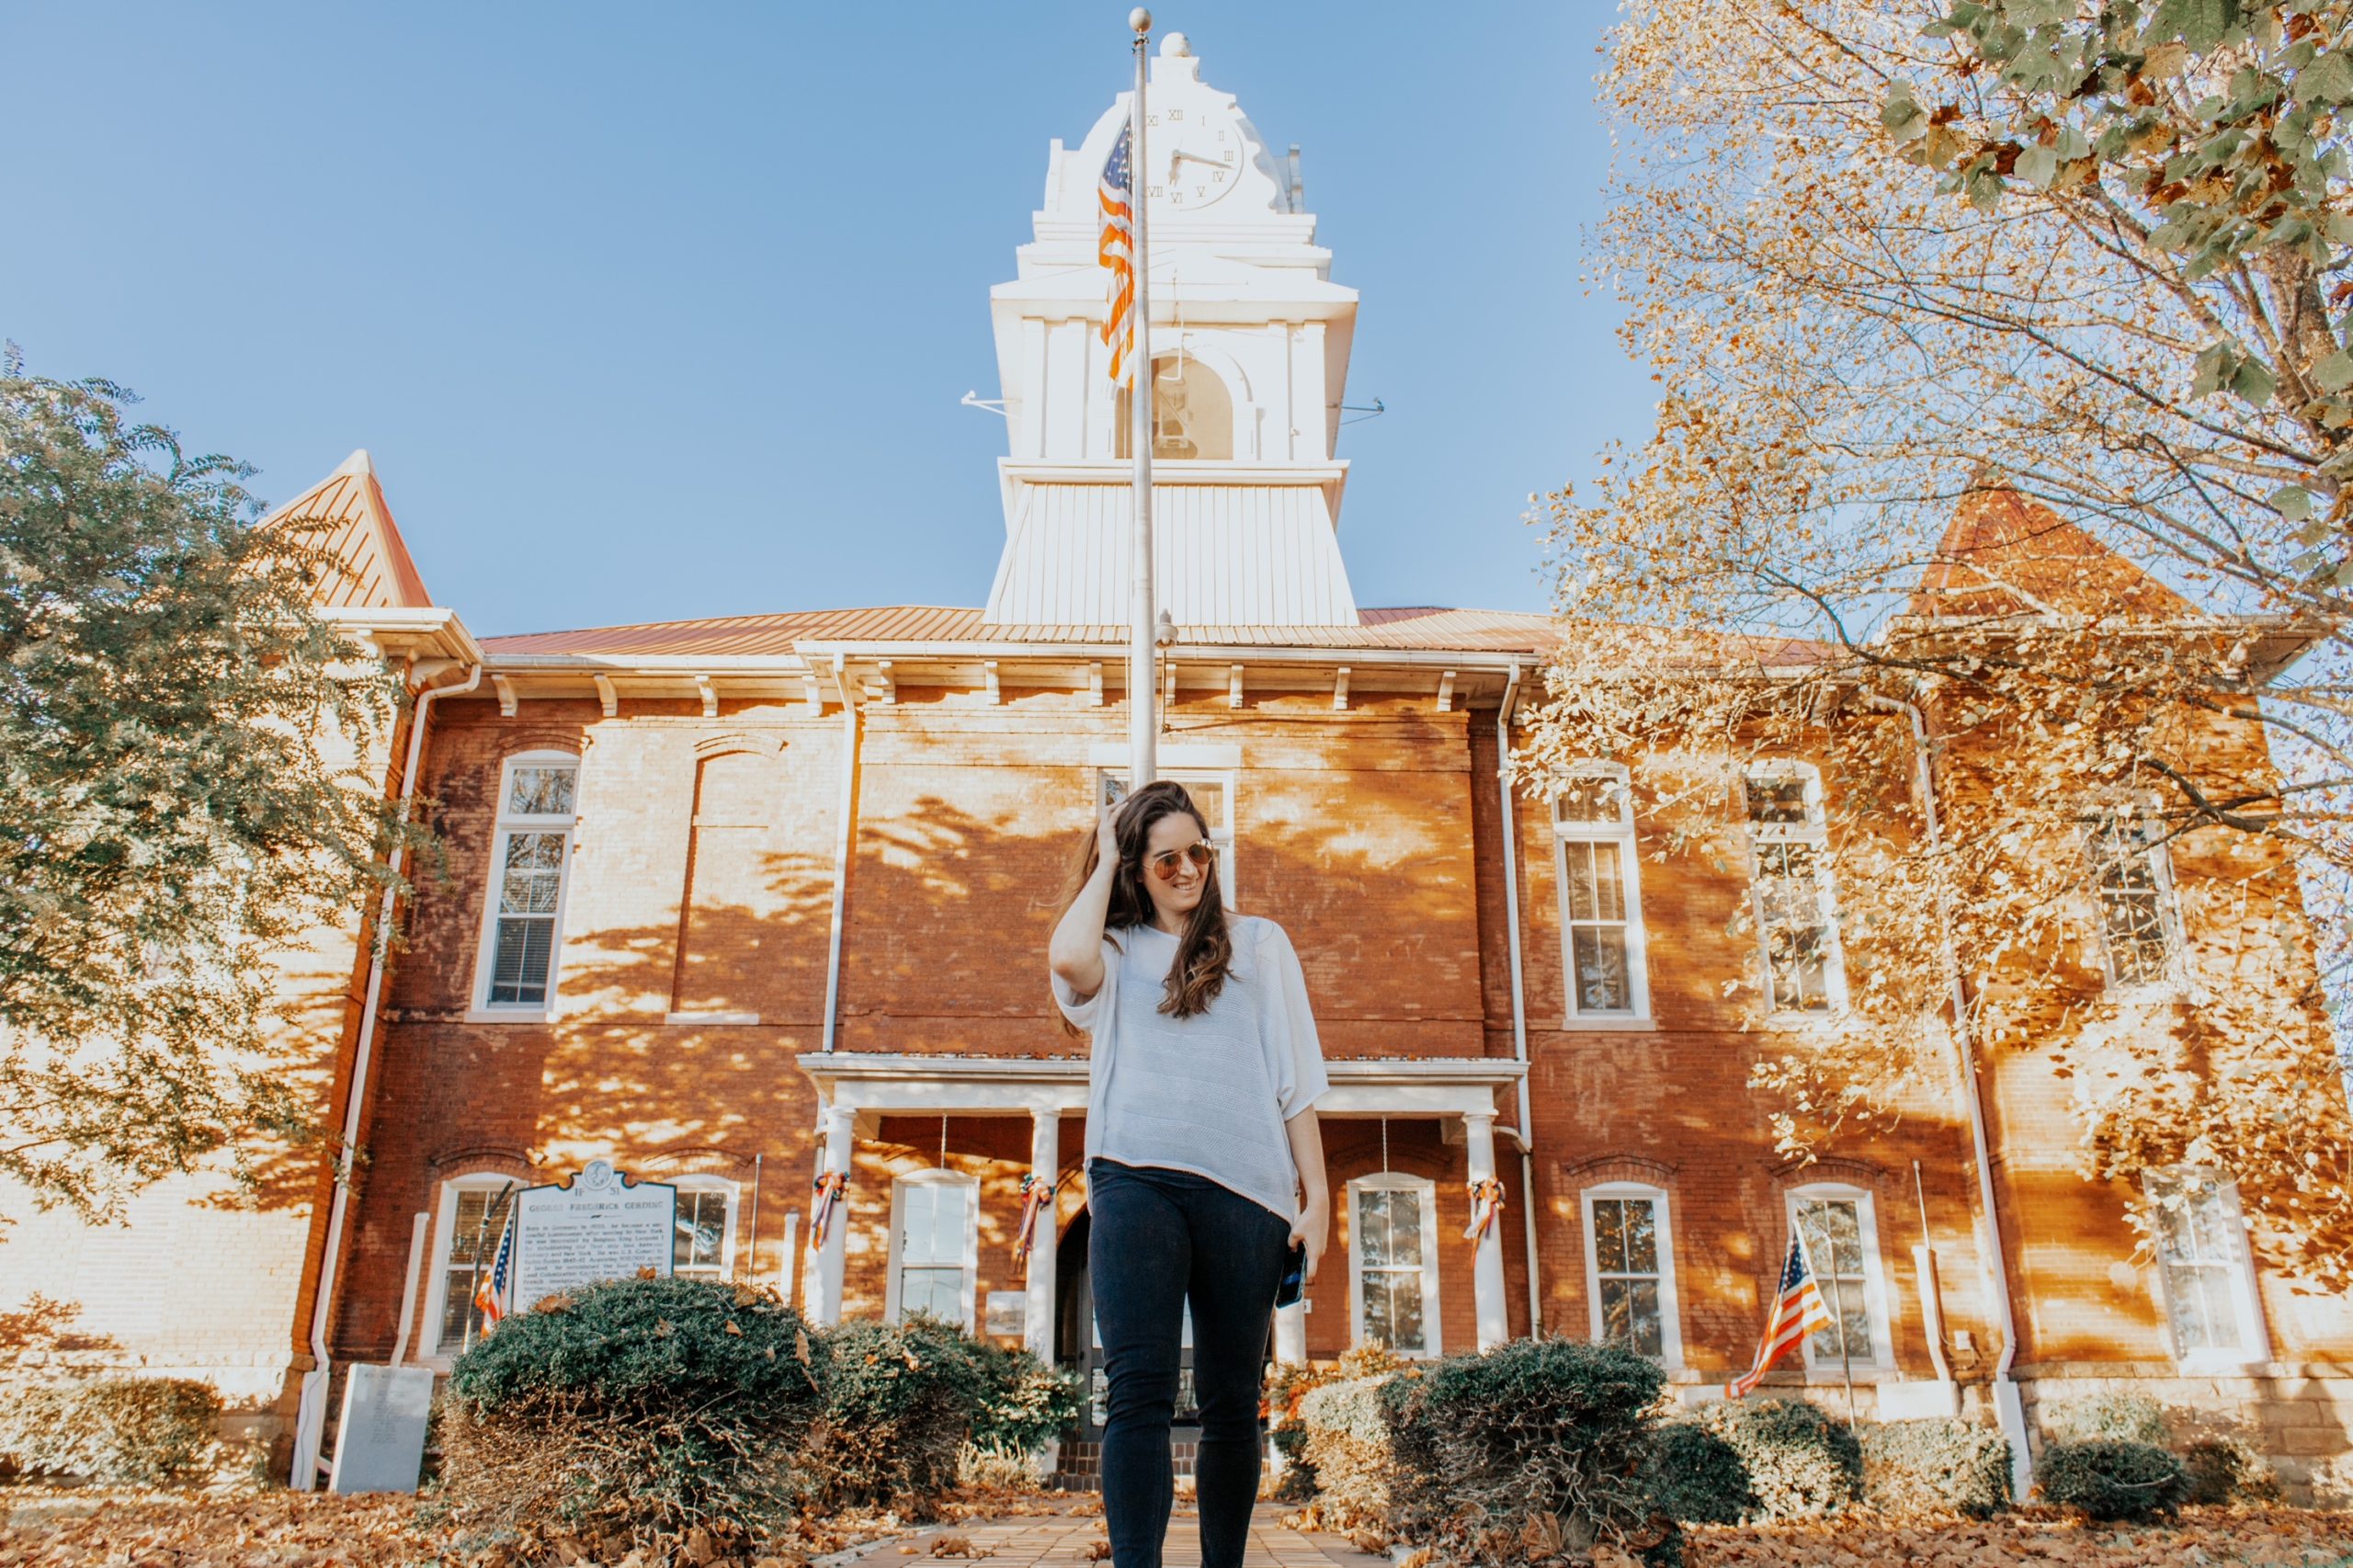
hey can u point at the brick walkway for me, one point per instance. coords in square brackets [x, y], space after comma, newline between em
[1054, 1541]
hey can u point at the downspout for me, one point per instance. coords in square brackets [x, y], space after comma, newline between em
[1518, 1007]
[2009, 1409]
[841, 846]
[311, 1413]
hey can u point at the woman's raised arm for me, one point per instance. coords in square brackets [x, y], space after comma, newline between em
[1075, 953]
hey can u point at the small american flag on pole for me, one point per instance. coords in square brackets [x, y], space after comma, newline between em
[1117, 250]
[1797, 1310]
[490, 1294]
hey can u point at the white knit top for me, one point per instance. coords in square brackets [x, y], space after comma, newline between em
[1209, 1094]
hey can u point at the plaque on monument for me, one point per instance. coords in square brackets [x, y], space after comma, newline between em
[600, 1225]
[380, 1442]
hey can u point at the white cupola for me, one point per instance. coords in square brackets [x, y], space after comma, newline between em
[1249, 343]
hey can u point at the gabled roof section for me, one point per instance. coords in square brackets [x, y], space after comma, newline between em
[348, 520]
[2005, 554]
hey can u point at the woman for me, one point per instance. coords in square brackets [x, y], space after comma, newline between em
[1204, 1165]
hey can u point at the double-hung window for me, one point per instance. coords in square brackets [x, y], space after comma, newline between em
[1630, 1271]
[702, 1242]
[1840, 1232]
[474, 1212]
[1796, 915]
[1601, 919]
[2139, 924]
[1213, 795]
[2204, 1267]
[935, 1247]
[1392, 1256]
[530, 855]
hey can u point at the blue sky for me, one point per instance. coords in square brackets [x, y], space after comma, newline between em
[655, 313]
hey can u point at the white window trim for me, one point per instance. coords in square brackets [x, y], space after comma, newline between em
[482, 1011]
[2255, 1333]
[1813, 831]
[2174, 979]
[733, 1190]
[1622, 834]
[1398, 1181]
[1669, 1307]
[1875, 1292]
[1221, 837]
[436, 1290]
[971, 1260]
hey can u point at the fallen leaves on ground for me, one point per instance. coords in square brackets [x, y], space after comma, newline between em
[2255, 1538]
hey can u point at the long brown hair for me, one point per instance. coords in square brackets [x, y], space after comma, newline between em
[1205, 948]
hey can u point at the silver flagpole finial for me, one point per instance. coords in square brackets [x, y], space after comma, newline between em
[1140, 19]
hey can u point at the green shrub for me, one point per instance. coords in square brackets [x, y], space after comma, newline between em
[1533, 1449]
[2224, 1470]
[636, 1404]
[2114, 1416]
[1802, 1465]
[900, 1401]
[2112, 1480]
[1025, 1403]
[1937, 1466]
[120, 1431]
[1696, 1478]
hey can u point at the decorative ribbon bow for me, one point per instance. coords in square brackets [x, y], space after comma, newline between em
[1036, 1194]
[829, 1187]
[1486, 1203]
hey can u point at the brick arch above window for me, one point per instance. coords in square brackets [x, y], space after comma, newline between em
[501, 1159]
[516, 738]
[704, 1159]
[1597, 1169]
[1837, 1170]
[759, 743]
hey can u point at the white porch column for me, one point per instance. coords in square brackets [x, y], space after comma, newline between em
[1045, 1156]
[1488, 1262]
[824, 1283]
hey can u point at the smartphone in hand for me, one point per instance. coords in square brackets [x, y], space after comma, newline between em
[1294, 1279]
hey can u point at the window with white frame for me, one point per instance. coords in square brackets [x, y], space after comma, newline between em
[472, 1219]
[1601, 919]
[1212, 793]
[703, 1245]
[2203, 1266]
[2133, 880]
[1795, 912]
[530, 852]
[1629, 1270]
[1839, 1228]
[1392, 1263]
[935, 1247]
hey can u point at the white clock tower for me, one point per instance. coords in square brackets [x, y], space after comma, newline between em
[1249, 350]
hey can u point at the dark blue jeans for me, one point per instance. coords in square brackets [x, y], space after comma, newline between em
[1159, 1238]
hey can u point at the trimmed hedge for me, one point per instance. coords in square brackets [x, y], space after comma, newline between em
[1802, 1465]
[901, 1400]
[121, 1431]
[1936, 1466]
[1533, 1449]
[2112, 1480]
[1025, 1403]
[2225, 1470]
[1696, 1478]
[640, 1404]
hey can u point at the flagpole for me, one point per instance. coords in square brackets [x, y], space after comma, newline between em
[1143, 721]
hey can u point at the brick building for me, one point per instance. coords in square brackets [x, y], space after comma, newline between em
[735, 903]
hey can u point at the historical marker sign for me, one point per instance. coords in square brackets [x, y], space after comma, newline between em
[600, 1225]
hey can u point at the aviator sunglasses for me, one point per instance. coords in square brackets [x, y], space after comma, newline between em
[1165, 864]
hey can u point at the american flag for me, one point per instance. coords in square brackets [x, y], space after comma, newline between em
[490, 1293]
[1797, 1311]
[1117, 250]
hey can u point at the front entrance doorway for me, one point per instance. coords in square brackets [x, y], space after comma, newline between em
[1078, 1345]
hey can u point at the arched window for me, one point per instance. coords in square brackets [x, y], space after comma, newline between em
[1796, 910]
[1629, 1270]
[1601, 915]
[703, 1244]
[468, 1226]
[1192, 412]
[1392, 1263]
[935, 1247]
[1839, 1226]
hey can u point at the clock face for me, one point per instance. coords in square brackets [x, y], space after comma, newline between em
[1194, 160]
